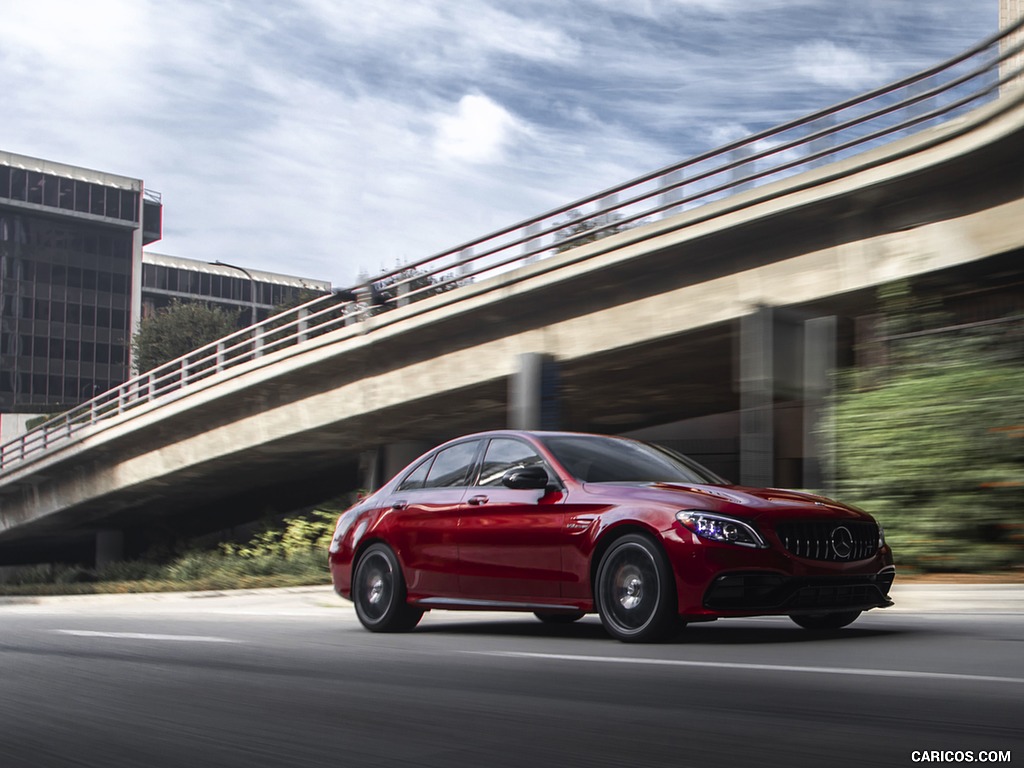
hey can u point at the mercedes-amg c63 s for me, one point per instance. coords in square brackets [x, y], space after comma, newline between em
[565, 524]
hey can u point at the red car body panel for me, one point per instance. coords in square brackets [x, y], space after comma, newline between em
[503, 548]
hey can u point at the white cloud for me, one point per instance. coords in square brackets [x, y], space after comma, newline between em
[479, 131]
[825, 63]
[319, 138]
[439, 35]
[725, 133]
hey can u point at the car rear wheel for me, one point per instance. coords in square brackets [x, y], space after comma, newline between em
[559, 618]
[826, 620]
[378, 590]
[635, 591]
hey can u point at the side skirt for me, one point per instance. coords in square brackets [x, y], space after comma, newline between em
[464, 604]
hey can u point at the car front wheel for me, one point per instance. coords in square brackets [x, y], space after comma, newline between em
[825, 620]
[378, 591]
[635, 591]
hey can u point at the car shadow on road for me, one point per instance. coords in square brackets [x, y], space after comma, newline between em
[716, 633]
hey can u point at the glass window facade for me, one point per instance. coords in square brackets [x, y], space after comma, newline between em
[68, 194]
[65, 296]
[163, 284]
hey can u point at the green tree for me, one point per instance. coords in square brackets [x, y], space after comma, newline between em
[932, 442]
[178, 329]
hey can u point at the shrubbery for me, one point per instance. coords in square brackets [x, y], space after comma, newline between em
[292, 554]
[932, 444]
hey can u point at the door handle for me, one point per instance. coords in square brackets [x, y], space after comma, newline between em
[400, 504]
[477, 500]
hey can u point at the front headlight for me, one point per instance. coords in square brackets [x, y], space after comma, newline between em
[881, 536]
[716, 527]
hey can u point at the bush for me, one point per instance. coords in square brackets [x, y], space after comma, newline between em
[292, 554]
[931, 444]
[299, 536]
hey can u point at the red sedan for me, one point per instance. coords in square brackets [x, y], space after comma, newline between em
[564, 524]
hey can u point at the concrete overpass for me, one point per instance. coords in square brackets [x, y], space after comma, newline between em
[675, 297]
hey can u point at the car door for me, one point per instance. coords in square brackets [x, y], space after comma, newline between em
[424, 518]
[510, 541]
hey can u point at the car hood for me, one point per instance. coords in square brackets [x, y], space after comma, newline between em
[750, 503]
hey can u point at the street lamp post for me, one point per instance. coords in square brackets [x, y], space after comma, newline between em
[256, 340]
[252, 288]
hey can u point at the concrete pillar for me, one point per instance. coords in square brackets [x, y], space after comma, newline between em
[757, 412]
[380, 464]
[109, 548]
[532, 242]
[465, 269]
[398, 455]
[403, 295]
[671, 195]
[533, 393]
[1010, 12]
[819, 385]
[371, 469]
[740, 171]
[605, 207]
[822, 143]
[257, 341]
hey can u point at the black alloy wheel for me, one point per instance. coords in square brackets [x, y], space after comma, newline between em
[635, 591]
[378, 590]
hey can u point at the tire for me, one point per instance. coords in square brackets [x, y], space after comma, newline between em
[559, 618]
[635, 591]
[826, 620]
[378, 591]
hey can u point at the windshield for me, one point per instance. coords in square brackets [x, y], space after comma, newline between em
[597, 459]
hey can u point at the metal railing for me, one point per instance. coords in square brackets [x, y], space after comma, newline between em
[932, 96]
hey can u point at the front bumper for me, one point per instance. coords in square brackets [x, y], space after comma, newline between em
[719, 580]
[762, 592]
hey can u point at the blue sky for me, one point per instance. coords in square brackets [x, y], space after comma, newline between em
[325, 138]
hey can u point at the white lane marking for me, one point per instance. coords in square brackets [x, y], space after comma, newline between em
[905, 673]
[146, 636]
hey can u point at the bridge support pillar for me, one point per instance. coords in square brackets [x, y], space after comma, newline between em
[819, 365]
[378, 466]
[757, 398]
[109, 547]
[533, 393]
[786, 359]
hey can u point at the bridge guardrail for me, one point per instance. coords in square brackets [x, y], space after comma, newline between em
[930, 97]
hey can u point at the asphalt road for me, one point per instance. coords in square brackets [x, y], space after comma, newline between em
[291, 679]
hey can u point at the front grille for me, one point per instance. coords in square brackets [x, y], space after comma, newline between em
[835, 540]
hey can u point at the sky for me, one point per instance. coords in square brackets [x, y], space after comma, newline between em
[336, 138]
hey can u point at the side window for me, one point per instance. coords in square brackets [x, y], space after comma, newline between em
[415, 478]
[451, 466]
[503, 454]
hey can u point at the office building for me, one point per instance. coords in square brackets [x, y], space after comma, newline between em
[74, 283]
[249, 292]
[71, 244]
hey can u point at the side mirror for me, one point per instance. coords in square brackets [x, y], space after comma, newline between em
[525, 478]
